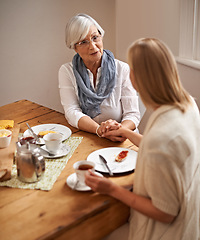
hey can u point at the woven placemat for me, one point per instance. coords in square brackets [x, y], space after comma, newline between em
[53, 168]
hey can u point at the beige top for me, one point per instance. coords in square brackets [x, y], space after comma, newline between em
[168, 172]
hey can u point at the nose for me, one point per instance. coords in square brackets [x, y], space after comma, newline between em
[92, 45]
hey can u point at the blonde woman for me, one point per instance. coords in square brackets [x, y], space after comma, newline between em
[165, 199]
[95, 88]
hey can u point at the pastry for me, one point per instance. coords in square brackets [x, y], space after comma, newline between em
[121, 156]
[42, 133]
[6, 124]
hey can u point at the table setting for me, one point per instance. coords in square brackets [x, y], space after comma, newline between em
[127, 165]
[53, 163]
[60, 204]
[55, 159]
[104, 162]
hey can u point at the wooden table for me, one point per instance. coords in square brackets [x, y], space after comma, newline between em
[61, 213]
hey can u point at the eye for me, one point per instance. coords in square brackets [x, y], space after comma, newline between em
[95, 38]
[84, 42]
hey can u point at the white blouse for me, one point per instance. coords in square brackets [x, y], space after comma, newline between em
[121, 105]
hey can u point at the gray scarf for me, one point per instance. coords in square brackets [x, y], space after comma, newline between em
[90, 100]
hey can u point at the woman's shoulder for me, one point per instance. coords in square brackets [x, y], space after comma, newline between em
[66, 73]
[121, 66]
[121, 63]
[66, 67]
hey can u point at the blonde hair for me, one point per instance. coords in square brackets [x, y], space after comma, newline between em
[156, 75]
[78, 27]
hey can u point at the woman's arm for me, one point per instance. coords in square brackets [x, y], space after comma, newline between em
[124, 132]
[139, 203]
[129, 124]
[68, 95]
[87, 124]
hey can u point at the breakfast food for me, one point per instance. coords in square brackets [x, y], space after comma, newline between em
[6, 124]
[4, 134]
[27, 139]
[121, 156]
[42, 133]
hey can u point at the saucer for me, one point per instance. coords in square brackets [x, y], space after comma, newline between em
[71, 182]
[64, 150]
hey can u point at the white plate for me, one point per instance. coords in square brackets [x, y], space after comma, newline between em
[64, 150]
[63, 130]
[128, 164]
[71, 182]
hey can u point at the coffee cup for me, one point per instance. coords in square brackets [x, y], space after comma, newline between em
[53, 142]
[81, 168]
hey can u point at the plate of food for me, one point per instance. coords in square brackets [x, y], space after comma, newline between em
[119, 160]
[43, 129]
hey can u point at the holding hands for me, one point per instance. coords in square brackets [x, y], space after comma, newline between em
[106, 127]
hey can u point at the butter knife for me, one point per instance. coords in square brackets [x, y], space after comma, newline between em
[105, 163]
[34, 134]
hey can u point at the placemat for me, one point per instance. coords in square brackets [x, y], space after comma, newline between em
[53, 168]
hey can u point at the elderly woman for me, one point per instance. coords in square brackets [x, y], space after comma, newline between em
[165, 198]
[95, 88]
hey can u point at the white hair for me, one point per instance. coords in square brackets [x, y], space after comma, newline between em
[78, 27]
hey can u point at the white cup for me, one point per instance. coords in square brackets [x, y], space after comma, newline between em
[81, 168]
[5, 138]
[53, 142]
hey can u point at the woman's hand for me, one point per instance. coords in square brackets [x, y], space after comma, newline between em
[98, 183]
[125, 133]
[108, 126]
[115, 138]
[115, 133]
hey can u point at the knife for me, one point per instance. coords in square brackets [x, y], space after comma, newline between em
[34, 134]
[105, 162]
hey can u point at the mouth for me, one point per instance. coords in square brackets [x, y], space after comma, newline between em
[94, 53]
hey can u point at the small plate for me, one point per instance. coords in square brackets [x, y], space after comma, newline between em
[71, 181]
[110, 154]
[63, 130]
[64, 150]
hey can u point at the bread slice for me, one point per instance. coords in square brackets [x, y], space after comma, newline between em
[121, 156]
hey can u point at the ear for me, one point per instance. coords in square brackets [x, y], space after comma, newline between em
[132, 77]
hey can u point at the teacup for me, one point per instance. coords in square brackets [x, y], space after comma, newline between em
[81, 168]
[53, 142]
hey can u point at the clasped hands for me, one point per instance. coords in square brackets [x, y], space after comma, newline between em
[105, 128]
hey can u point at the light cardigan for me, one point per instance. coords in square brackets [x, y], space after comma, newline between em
[168, 172]
[121, 105]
